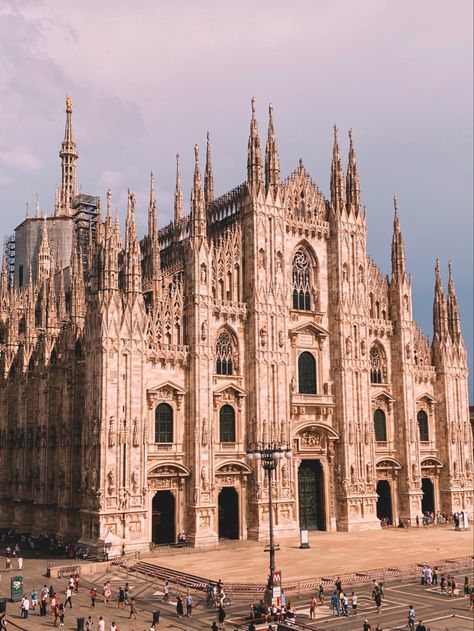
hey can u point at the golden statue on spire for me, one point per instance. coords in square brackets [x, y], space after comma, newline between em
[68, 104]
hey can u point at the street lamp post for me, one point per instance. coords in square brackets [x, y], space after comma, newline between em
[269, 454]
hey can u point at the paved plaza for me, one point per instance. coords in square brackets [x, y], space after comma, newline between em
[330, 554]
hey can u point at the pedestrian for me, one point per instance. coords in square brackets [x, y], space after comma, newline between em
[89, 624]
[214, 626]
[471, 600]
[62, 613]
[34, 598]
[68, 597]
[435, 576]
[312, 608]
[188, 601]
[335, 604]
[127, 590]
[454, 588]
[8, 564]
[321, 593]
[179, 606]
[442, 584]
[420, 626]
[221, 617]
[378, 627]
[354, 603]
[101, 624]
[121, 598]
[93, 595]
[56, 615]
[166, 592]
[345, 605]
[338, 584]
[26, 606]
[20, 563]
[411, 618]
[107, 592]
[113, 627]
[366, 626]
[378, 600]
[466, 586]
[133, 608]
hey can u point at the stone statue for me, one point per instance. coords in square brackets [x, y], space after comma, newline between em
[110, 482]
[135, 433]
[205, 433]
[263, 336]
[112, 432]
[284, 475]
[348, 345]
[204, 331]
[205, 477]
[281, 339]
[370, 472]
[135, 479]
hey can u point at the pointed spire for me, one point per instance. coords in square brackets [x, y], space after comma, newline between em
[272, 157]
[37, 207]
[62, 315]
[152, 219]
[132, 262]
[440, 316]
[68, 155]
[208, 177]
[254, 155]
[108, 215]
[198, 216]
[337, 176]
[352, 181]
[398, 248]
[44, 254]
[178, 195]
[153, 235]
[454, 320]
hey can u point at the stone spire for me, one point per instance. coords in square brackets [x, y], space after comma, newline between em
[398, 248]
[178, 195]
[44, 255]
[208, 177]
[62, 313]
[37, 207]
[198, 215]
[78, 294]
[454, 320]
[254, 155]
[440, 316]
[352, 180]
[272, 157]
[155, 260]
[132, 259]
[3, 280]
[337, 176]
[109, 280]
[68, 155]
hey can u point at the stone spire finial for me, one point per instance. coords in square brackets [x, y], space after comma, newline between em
[178, 195]
[352, 180]
[37, 207]
[440, 316]
[272, 157]
[398, 248]
[68, 155]
[454, 319]
[254, 155]
[132, 262]
[44, 254]
[198, 216]
[337, 176]
[108, 205]
[208, 176]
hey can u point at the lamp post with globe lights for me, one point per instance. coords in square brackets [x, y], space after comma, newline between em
[269, 454]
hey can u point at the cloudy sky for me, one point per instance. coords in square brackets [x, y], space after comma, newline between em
[149, 78]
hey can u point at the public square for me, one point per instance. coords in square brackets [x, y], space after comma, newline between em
[330, 555]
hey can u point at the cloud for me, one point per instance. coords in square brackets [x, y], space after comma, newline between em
[20, 157]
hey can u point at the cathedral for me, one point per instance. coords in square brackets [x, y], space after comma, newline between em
[136, 374]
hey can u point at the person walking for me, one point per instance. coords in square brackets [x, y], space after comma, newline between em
[411, 618]
[89, 624]
[26, 607]
[420, 626]
[378, 600]
[188, 601]
[101, 624]
[133, 608]
[366, 626]
[62, 613]
[354, 603]
[179, 606]
[34, 598]
[221, 617]
[321, 593]
[68, 597]
[335, 604]
[312, 608]
[121, 598]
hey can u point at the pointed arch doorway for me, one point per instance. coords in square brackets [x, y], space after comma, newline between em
[428, 501]
[384, 501]
[311, 495]
[228, 503]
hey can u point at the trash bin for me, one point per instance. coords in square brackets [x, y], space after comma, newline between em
[80, 624]
[156, 617]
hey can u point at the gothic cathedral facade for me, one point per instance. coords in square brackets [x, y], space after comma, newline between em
[136, 375]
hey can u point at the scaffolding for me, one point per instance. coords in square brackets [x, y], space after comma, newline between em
[10, 258]
[85, 214]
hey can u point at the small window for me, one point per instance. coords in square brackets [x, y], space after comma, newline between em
[378, 365]
[306, 373]
[164, 423]
[380, 426]
[227, 424]
[422, 419]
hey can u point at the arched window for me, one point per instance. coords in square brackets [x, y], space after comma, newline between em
[306, 373]
[227, 424]
[380, 426]
[225, 363]
[378, 366]
[301, 281]
[164, 423]
[422, 419]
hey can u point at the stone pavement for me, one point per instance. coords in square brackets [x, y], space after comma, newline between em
[330, 553]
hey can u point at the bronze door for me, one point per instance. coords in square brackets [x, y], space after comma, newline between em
[310, 495]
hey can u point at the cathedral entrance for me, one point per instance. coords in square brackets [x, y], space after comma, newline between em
[427, 503]
[163, 517]
[384, 501]
[311, 495]
[228, 503]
